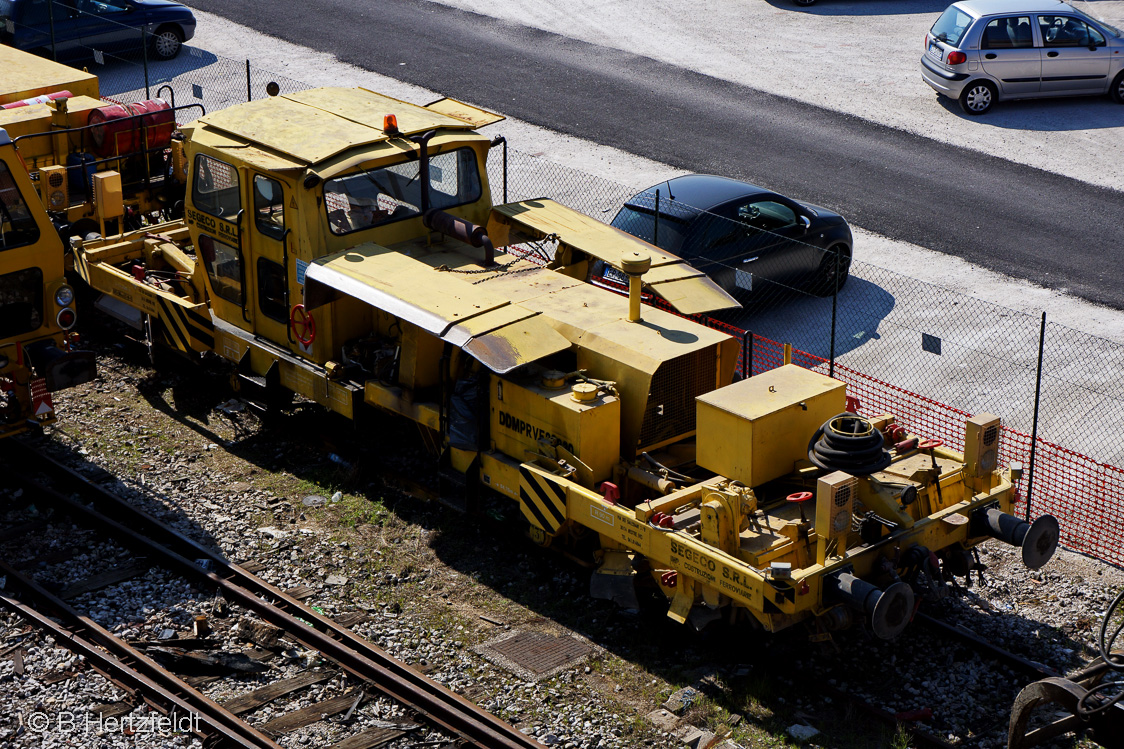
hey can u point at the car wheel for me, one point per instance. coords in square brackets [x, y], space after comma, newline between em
[167, 42]
[1117, 89]
[825, 284]
[977, 97]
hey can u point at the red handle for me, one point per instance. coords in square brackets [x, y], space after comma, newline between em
[303, 324]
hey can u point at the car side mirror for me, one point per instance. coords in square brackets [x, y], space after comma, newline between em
[805, 222]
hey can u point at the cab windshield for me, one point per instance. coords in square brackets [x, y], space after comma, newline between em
[380, 196]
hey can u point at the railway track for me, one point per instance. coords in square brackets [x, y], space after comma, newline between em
[170, 674]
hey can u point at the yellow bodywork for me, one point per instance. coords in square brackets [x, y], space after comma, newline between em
[27, 75]
[757, 430]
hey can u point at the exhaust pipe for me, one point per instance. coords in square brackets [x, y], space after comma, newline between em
[890, 610]
[1038, 540]
[636, 264]
[462, 229]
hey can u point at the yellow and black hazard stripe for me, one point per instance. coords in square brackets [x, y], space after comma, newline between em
[184, 325]
[542, 501]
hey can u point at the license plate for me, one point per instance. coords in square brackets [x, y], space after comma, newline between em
[936, 52]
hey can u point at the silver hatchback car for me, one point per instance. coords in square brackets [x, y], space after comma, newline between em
[983, 51]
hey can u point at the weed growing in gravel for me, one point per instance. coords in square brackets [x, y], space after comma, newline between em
[903, 738]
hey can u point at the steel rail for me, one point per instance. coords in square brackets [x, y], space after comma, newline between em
[1027, 666]
[365, 660]
[140, 676]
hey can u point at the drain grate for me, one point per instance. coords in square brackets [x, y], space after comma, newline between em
[536, 655]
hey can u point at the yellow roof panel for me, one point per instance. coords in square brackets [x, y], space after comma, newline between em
[516, 343]
[499, 334]
[26, 75]
[694, 295]
[544, 216]
[685, 288]
[367, 108]
[478, 117]
[320, 123]
[590, 311]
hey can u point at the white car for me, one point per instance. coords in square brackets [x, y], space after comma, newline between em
[982, 51]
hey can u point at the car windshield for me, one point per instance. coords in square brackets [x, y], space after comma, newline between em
[640, 221]
[1101, 24]
[950, 27]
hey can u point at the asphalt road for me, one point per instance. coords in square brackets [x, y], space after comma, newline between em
[1011, 218]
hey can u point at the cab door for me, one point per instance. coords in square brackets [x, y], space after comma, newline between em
[217, 212]
[269, 237]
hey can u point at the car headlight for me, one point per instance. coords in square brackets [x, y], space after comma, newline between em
[64, 296]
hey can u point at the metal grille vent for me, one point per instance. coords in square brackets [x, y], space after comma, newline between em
[843, 496]
[671, 400]
[990, 435]
[536, 655]
[55, 180]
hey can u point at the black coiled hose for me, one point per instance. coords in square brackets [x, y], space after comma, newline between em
[1108, 693]
[850, 443]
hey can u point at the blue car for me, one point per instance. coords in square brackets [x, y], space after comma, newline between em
[82, 26]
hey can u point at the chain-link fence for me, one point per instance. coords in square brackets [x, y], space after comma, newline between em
[891, 337]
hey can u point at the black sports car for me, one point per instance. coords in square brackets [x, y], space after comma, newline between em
[744, 237]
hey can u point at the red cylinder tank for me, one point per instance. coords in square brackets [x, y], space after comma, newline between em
[122, 129]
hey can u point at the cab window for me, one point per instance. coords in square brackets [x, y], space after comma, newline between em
[224, 267]
[269, 207]
[271, 290]
[214, 189]
[21, 302]
[17, 225]
[381, 196]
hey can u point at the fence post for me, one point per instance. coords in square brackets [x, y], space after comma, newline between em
[747, 354]
[249, 95]
[51, 18]
[656, 222]
[1034, 423]
[505, 170]
[144, 56]
[834, 306]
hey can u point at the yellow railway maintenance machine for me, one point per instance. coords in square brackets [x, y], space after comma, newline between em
[38, 352]
[343, 245]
